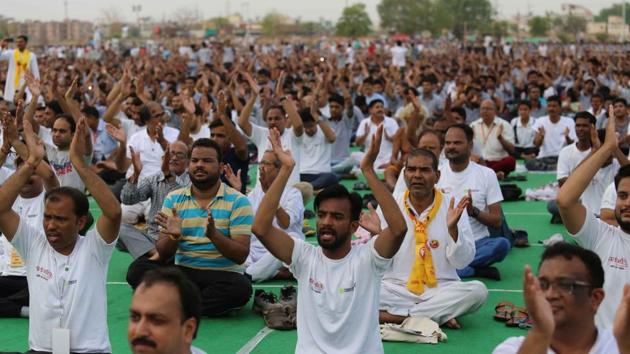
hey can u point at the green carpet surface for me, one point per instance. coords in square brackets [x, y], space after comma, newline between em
[479, 333]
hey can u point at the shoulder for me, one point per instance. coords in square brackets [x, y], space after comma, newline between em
[509, 346]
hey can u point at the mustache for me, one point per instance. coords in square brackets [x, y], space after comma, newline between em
[143, 341]
[327, 231]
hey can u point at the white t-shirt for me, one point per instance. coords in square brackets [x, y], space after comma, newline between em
[151, 152]
[338, 300]
[315, 153]
[66, 291]
[291, 202]
[33, 210]
[398, 56]
[389, 127]
[569, 159]
[604, 344]
[60, 162]
[610, 197]
[483, 185]
[524, 133]
[554, 138]
[612, 245]
[204, 132]
[289, 141]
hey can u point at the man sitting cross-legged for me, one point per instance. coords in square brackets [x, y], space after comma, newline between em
[66, 273]
[423, 280]
[338, 285]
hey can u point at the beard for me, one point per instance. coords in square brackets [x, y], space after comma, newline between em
[334, 244]
[624, 225]
[203, 183]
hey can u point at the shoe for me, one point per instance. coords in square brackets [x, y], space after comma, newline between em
[520, 238]
[280, 316]
[308, 214]
[488, 273]
[309, 231]
[262, 300]
[288, 295]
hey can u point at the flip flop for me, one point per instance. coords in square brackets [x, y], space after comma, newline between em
[518, 315]
[360, 186]
[503, 311]
[526, 323]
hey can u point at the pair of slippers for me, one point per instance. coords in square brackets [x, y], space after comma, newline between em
[277, 313]
[512, 315]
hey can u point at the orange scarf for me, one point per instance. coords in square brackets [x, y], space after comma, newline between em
[21, 64]
[422, 271]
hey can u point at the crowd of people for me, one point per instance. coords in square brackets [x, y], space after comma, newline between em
[203, 158]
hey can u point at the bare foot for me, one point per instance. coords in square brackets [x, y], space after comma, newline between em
[452, 324]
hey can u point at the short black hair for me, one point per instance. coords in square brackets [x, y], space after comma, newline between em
[90, 111]
[431, 132]
[54, 106]
[305, 114]
[624, 172]
[81, 203]
[467, 130]
[416, 152]
[585, 115]
[524, 103]
[68, 118]
[554, 98]
[208, 143]
[145, 114]
[459, 110]
[620, 100]
[337, 191]
[337, 98]
[375, 101]
[216, 123]
[24, 37]
[189, 297]
[590, 259]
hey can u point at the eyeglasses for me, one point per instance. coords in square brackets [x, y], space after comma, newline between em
[179, 155]
[563, 285]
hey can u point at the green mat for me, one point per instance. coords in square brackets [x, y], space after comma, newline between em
[479, 333]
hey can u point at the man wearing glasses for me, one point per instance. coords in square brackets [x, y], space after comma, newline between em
[612, 244]
[562, 302]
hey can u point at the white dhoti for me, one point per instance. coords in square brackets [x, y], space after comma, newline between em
[447, 301]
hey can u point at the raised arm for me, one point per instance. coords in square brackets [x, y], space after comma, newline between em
[236, 138]
[572, 211]
[328, 132]
[390, 238]
[243, 118]
[9, 220]
[277, 241]
[108, 223]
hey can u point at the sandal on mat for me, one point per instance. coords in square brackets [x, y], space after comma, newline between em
[503, 311]
[519, 314]
[526, 323]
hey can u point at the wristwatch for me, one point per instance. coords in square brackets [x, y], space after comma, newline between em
[475, 212]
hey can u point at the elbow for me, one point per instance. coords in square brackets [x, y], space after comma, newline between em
[400, 229]
[115, 215]
[259, 230]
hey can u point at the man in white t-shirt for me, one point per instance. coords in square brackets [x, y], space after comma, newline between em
[523, 127]
[462, 177]
[29, 205]
[59, 155]
[316, 151]
[67, 273]
[166, 294]
[367, 129]
[553, 132]
[562, 302]
[496, 139]
[261, 264]
[338, 284]
[609, 242]
[448, 244]
[572, 155]
[278, 117]
[399, 54]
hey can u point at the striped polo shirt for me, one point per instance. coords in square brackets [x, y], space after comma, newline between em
[232, 215]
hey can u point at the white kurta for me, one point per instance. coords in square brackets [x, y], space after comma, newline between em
[9, 87]
[451, 297]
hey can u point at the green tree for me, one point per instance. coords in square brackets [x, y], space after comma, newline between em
[272, 22]
[539, 26]
[614, 10]
[465, 15]
[405, 16]
[574, 24]
[354, 21]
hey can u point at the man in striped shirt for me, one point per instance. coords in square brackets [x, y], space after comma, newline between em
[207, 227]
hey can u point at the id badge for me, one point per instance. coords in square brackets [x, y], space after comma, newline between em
[60, 341]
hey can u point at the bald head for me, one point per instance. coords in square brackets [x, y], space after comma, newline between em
[178, 157]
[488, 110]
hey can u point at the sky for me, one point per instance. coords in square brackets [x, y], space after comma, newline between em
[92, 10]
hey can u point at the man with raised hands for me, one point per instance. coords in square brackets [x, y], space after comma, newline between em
[338, 285]
[66, 273]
